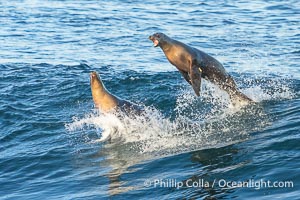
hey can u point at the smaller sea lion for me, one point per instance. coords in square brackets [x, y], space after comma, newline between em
[107, 102]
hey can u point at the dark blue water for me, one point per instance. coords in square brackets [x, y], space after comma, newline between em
[185, 147]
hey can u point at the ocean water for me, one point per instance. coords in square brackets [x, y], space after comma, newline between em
[184, 147]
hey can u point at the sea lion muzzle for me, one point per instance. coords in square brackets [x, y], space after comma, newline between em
[154, 40]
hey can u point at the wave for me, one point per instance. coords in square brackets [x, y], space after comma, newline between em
[196, 123]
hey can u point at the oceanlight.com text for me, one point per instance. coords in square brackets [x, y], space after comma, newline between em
[221, 183]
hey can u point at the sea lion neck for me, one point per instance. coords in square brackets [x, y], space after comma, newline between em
[168, 47]
[102, 98]
[165, 46]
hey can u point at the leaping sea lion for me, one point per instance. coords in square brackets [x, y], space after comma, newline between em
[107, 102]
[194, 64]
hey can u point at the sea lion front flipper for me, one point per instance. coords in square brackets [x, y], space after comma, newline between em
[195, 76]
[186, 76]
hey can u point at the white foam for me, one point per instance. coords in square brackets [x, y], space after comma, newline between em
[204, 122]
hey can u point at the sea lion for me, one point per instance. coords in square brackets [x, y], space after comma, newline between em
[107, 102]
[194, 64]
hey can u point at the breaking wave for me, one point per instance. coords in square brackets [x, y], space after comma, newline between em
[198, 123]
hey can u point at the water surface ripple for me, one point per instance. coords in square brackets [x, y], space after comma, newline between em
[49, 128]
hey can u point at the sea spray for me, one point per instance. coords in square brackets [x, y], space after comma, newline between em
[205, 122]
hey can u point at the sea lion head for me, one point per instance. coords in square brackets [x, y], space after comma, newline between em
[97, 87]
[96, 82]
[158, 39]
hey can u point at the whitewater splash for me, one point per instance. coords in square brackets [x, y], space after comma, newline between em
[199, 123]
